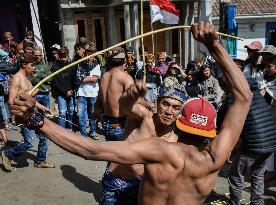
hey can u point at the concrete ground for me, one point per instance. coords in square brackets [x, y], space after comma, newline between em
[77, 181]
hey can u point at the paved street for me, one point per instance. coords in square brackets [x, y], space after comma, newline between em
[74, 181]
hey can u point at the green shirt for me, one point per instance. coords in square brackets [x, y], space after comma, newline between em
[42, 71]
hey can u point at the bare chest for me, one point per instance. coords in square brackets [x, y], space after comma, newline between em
[25, 86]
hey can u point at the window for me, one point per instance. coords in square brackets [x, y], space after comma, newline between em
[271, 34]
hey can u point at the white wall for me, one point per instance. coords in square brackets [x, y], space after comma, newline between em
[256, 34]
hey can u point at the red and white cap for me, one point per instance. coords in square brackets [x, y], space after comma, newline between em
[198, 118]
[255, 45]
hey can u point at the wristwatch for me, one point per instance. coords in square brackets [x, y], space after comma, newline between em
[36, 120]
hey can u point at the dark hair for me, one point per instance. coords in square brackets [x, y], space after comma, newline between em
[115, 62]
[129, 50]
[272, 60]
[169, 58]
[191, 66]
[27, 44]
[172, 65]
[79, 45]
[63, 51]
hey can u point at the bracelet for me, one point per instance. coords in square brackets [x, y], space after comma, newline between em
[36, 120]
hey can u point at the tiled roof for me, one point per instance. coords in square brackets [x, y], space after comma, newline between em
[250, 7]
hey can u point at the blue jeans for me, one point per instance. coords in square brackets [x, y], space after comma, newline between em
[43, 99]
[29, 137]
[113, 128]
[86, 109]
[65, 107]
[3, 108]
[117, 191]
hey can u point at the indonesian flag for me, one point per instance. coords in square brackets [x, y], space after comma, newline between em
[164, 11]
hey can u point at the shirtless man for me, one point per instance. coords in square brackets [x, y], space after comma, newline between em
[175, 173]
[121, 182]
[113, 83]
[21, 84]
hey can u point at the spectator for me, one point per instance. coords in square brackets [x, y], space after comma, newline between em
[54, 54]
[175, 76]
[28, 47]
[210, 86]
[153, 79]
[268, 52]
[19, 50]
[258, 142]
[29, 38]
[169, 60]
[130, 67]
[62, 88]
[270, 96]
[192, 85]
[42, 70]
[88, 74]
[8, 41]
[162, 67]
[251, 68]
[79, 51]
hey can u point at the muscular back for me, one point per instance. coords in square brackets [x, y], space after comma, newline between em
[188, 176]
[113, 84]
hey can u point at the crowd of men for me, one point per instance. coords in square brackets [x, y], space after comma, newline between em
[106, 93]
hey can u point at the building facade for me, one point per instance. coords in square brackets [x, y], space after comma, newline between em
[109, 22]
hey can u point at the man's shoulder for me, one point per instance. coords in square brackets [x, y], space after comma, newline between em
[121, 76]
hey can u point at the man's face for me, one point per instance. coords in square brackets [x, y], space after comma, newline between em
[207, 72]
[80, 52]
[160, 60]
[90, 59]
[174, 71]
[270, 69]
[64, 59]
[28, 50]
[168, 110]
[38, 56]
[55, 55]
[29, 68]
[190, 76]
[252, 53]
[8, 38]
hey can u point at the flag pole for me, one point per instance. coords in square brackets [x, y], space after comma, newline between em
[180, 48]
[142, 39]
[153, 40]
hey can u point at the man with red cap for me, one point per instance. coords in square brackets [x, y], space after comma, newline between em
[174, 173]
[252, 68]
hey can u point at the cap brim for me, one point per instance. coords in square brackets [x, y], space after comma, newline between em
[196, 131]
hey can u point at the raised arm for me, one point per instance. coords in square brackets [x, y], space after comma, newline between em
[233, 122]
[144, 151]
[132, 103]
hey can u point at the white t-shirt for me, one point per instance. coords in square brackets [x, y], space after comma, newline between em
[90, 89]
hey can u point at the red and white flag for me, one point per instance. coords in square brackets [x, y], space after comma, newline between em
[164, 11]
